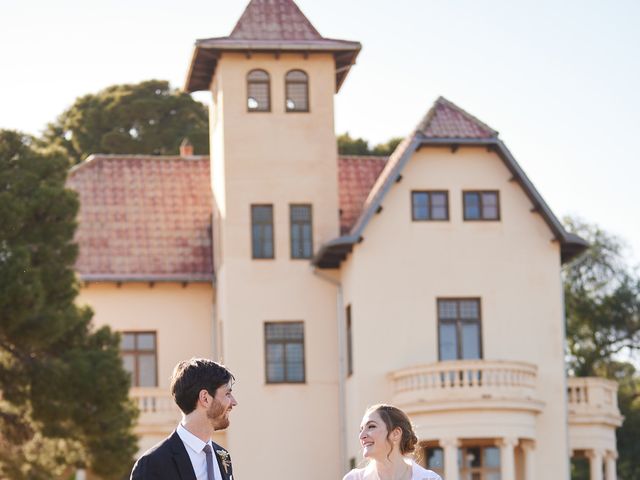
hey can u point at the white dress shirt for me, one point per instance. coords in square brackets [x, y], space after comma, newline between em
[198, 458]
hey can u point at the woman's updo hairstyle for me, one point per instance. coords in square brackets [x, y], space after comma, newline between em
[394, 418]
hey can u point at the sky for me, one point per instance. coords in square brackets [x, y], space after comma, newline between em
[560, 81]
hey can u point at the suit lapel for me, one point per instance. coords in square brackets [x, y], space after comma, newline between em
[181, 458]
[225, 464]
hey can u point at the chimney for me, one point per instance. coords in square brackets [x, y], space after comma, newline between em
[186, 149]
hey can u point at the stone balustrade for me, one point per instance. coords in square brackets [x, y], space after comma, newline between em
[593, 399]
[157, 409]
[449, 382]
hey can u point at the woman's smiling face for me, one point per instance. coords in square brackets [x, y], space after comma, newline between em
[373, 436]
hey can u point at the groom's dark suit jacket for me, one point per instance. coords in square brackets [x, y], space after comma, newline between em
[169, 460]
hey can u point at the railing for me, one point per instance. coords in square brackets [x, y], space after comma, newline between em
[466, 380]
[157, 408]
[592, 396]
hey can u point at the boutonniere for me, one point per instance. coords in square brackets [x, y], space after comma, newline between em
[224, 459]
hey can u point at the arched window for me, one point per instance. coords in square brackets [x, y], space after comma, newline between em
[258, 91]
[297, 91]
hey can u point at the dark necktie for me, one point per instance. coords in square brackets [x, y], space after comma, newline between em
[207, 452]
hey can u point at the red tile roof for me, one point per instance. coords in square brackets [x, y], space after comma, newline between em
[144, 217]
[447, 120]
[274, 20]
[356, 176]
[149, 217]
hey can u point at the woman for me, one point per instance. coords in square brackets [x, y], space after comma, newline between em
[387, 440]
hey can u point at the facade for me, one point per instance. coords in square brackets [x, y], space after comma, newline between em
[430, 280]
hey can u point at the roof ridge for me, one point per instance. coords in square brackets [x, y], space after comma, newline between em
[256, 14]
[363, 157]
[96, 157]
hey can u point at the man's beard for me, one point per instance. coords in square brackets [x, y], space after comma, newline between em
[216, 416]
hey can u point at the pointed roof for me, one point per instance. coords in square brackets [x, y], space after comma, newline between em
[444, 125]
[446, 120]
[271, 26]
[274, 20]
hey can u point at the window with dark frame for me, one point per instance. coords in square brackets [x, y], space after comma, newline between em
[459, 329]
[429, 205]
[139, 357]
[349, 341]
[435, 459]
[481, 205]
[262, 231]
[301, 231]
[258, 91]
[297, 91]
[481, 463]
[284, 352]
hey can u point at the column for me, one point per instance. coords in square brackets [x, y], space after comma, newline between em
[595, 464]
[450, 447]
[507, 458]
[610, 466]
[529, 451]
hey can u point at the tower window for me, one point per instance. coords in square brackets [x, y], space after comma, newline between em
[284, 351]
[262, 231]
[301, 231]
[297, 91]
[258, 91]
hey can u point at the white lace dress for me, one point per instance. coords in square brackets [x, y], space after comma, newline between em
[368, 473]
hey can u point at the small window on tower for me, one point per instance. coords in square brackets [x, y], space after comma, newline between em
[297, 91]
[258, 91]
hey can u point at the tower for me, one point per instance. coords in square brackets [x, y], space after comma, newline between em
[275, 189]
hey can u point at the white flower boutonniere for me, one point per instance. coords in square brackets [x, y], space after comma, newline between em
[224, 459]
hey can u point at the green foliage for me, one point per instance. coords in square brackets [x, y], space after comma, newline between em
[146, 118]
[602, 298]
[359, 146]
[64, 390]
[602, 301]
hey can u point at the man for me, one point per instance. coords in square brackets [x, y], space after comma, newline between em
[202, 390]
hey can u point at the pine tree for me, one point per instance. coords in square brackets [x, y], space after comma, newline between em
[64, 391]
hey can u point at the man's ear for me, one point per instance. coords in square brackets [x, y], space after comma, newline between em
[203, 397]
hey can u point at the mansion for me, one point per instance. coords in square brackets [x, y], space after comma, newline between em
[326, 283]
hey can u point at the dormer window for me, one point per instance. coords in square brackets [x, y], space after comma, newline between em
[258, 91]
[297, 91]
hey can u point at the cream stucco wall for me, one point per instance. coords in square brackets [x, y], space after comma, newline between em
[394, 277]
[276, 158]
[181, 316]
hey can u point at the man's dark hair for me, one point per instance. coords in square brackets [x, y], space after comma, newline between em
[192, 376]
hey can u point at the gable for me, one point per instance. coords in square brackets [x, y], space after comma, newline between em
[445, 125]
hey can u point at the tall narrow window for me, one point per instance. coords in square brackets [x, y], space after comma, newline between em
[435, 459]
[139, 356]
[481, 205]
[459, 329]
[258, 91]
[284, 352]
[301, 231]
[297, 91]
[482, 463]
[430, 205]
[349, 341]
[262, 231]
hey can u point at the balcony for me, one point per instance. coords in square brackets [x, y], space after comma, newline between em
[159, 415]
[468, 385]
[593, 401]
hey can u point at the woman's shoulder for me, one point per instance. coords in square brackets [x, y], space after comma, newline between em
[355, 474]
[421, 473]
